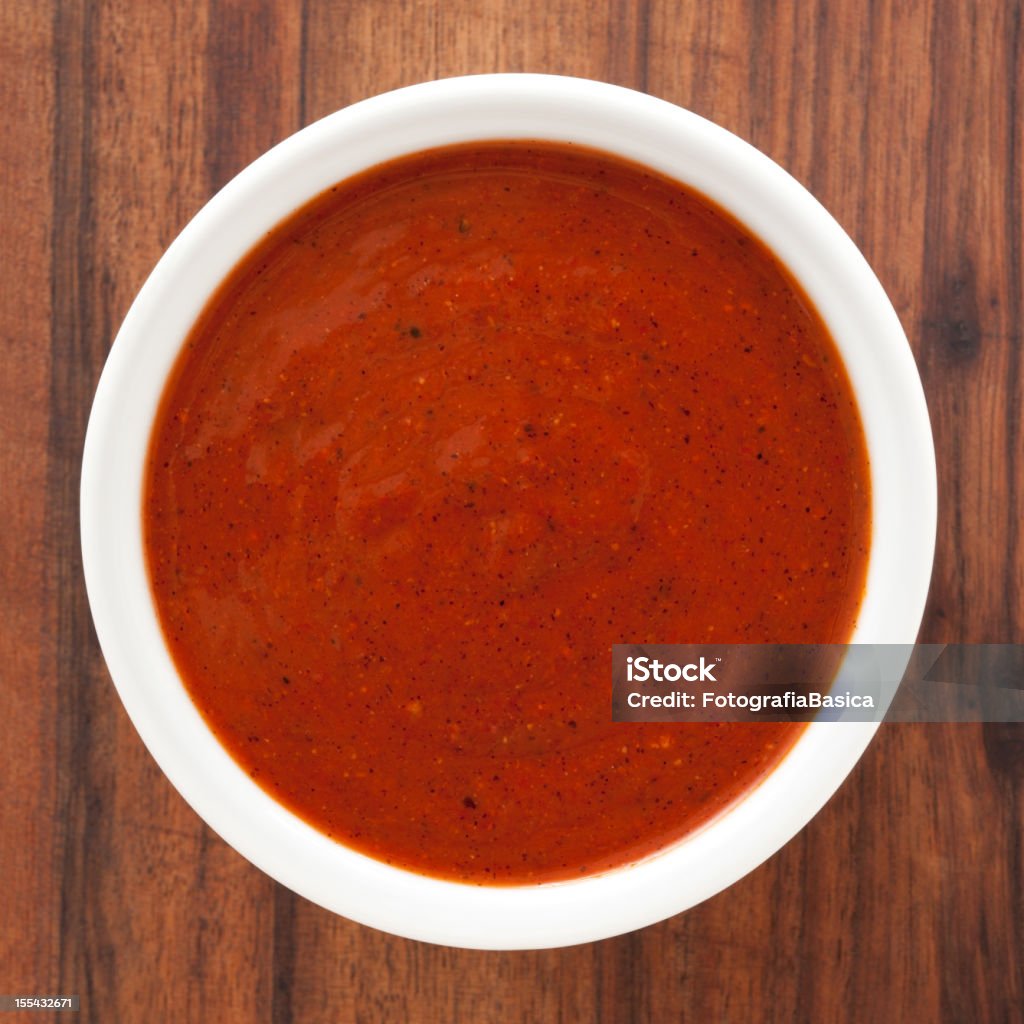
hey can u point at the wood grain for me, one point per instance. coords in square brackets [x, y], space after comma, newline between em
[28, 767]
[902, 901]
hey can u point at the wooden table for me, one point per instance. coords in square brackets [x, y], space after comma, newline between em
[902, 901]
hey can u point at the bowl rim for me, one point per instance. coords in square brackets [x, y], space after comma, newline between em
[677, 142]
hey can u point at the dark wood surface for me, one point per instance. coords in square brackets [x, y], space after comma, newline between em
[902, 901]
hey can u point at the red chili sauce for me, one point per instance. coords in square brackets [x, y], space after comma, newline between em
[446, 435]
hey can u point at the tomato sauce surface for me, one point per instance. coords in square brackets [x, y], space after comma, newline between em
[443, 438]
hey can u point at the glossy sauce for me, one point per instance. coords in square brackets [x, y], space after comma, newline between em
[444, 437]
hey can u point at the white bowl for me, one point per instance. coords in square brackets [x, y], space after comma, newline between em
[680, 144]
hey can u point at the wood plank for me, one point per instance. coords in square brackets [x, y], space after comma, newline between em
[28, 769]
